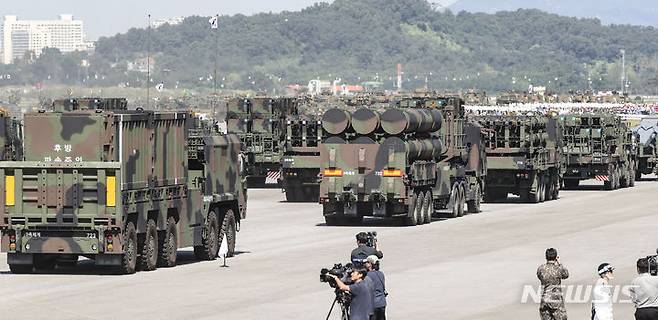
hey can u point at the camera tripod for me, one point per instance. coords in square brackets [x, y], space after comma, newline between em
[344, 309]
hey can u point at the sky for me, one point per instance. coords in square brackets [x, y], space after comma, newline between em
[108, 17]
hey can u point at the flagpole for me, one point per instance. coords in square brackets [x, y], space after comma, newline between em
[215, 30]
[148, 65]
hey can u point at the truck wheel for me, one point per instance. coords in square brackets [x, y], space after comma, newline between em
[168, 245]
[454, 197]
[462, 200]
[623, 180]
[291, 195]
[420, 208]
[148, 258]
[541, 189]
[411, 220]
[428, 209]
[20, 268]
[631, 176]
[210, 242]
[474, 205]
[228, 229]
[571, 184]
[638, 176]
[129, 258]
[331, 221]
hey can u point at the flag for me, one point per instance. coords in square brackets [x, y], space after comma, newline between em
[214, 22]
[223, 248]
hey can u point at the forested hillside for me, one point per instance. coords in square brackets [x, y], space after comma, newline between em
[360, 40]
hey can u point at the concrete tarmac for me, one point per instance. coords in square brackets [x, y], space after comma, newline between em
[473, 267]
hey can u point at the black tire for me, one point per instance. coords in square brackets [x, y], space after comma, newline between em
[291, 194]
[168, 245]
[148, 252]
[571, 184]
[331, 220]
[21, 268]
[632, 174]
[556, 188]
[410, 219]
[454, 197]
[474, 205]
[129, 257]
[428, 210]
[420, 208]
[228, 229]
[462, 200]
[638, 176]
[210, 242]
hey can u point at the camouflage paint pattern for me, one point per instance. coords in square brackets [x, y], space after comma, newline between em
[160, 165]
[300, 165]
[523, 151]
[426, 147]
[260, 122]
[599, 144]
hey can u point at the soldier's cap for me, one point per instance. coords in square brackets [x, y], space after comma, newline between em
[372, 259]
[605, 268]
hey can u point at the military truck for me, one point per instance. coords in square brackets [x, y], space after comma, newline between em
[598, 146]
[125, 188]
[300, 166]
[524, 157]
[403, 163]
[260, 124]
[647, 131]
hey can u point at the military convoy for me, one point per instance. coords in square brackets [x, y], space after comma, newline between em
[647, 158]
[405, 162]
[524, 157]
[599, 146]
[125, 188]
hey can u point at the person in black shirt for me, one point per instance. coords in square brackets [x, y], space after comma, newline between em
[362, 251]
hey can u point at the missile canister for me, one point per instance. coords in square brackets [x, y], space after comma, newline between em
[365, 121]
[398, 121]
[336, 121]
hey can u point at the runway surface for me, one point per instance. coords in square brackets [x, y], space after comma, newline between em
[473, 267]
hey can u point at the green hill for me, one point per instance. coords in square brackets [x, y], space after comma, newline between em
[359, 40]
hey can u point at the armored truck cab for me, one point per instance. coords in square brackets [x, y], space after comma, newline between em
[125, 188]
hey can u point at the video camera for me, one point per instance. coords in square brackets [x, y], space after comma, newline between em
[653, 264]
[341, 271]
[369, 238]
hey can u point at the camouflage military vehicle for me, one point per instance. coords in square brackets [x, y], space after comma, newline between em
[11, 137]
[125, 188]
[524, 157]
[403, 163]
[647, 132]
[598, 146]
[300, 167]
[260, 124]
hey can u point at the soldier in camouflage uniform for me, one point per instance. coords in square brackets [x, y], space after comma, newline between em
[551, 275]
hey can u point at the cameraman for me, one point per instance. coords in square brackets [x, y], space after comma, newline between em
[362, 251]
[361, 292]
[378, 285]
[644, 292]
